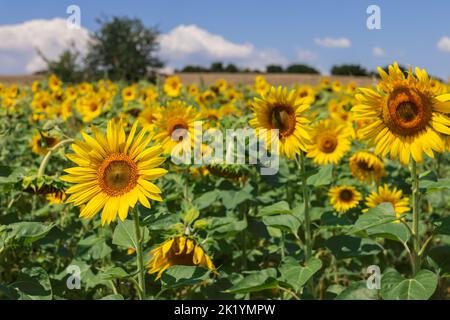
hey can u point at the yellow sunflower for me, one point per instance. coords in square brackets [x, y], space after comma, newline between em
[174, 118]
[329, 142]
[148, 116]
[172, 86]
[283, 110]
[406, 115]
[365, 166]
[394, 196]
[41, 143]
[57, 197]
[211, 117]
[129, 93]
[180, 250]
[113, 172]
[344, 198]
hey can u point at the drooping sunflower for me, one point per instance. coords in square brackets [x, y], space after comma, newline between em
[406, 115]
[57, 197]
[329, 142]
[344, 198]
[114, 171]
[180, 250]
[385, 194]
[42, 142]
[175, 122]
[366, 167]
[283, 110]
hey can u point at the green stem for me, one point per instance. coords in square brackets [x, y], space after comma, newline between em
[140, 262]
[308, 242]
[49, 154]
[416, 216]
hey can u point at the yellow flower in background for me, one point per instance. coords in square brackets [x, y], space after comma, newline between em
[42, 142]
[54, 83]
[129, 94]
[261, 85]
[336, 86]
[305, 92]
[211, 117]
[344, 198]
[229, 109]
[90, 107]
[406, 115]
[329, 142]
[35, 86]
[172, 86]
[206, 98]
[175, 125]
[283, 110]
[113, 172]
[193, 90]
[385, 194]
[56, 197]
[221, 84]
[148, 116]
[366, 167]
[149, 95]
[180, 250]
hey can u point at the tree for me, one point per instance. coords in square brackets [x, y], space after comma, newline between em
[301, 68]
[348, 70]
[231, 68]
[123, 49]
[216, 67]
[273, 68]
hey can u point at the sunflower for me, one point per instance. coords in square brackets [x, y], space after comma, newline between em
[211, 116]
[128, 94]
[172, 86]
[90, 107]
[405, 114]
[329, 143]
[344, 198]
[283, 110]
[148, 116]
[180, 250]
[41, 143]
[113, 172]
[394, 196]
[176, 116]
[365, 166]
[57, 197]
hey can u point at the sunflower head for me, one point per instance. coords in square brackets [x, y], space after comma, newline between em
[405, 115]
[41, 143]
[366, 167]
[393, 196]
[172, 86]
[329, 143]
[344, 198]
[180, 250]
[283, 110]
[113, 172]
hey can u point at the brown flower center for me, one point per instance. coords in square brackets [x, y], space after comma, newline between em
[364, 166]
[407, 112]
[283, 119]
[178, 129]
[346, 195]
[327, 143]
[118, 174]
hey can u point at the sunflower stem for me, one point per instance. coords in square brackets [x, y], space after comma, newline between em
[308, 242]
[49, 154]
[140, 262]
[416, 216]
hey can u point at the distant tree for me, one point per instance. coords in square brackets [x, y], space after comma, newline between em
[231, 68]
[66, 66]
[123, 49]
[190, 68]
[301, 68]
[348, 70]
[216, 67]
[273, 68]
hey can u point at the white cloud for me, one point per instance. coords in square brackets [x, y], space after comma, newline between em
[444, 44]
[306, 55]
[190, 44]
[378, 52]
[18, 43]
[333, 43]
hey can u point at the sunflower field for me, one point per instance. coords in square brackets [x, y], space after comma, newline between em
[93, 205]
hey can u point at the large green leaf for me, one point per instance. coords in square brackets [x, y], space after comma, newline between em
[395, 287]
[178, 276]
[281, 207]
[33, 284]
[358, 291]
[125, 235]
[23, 233]
[343, 246]
[321, 178]
[92, 247]
[296, 275]
[285, 222]
[433, 186]
[441, 257]
[256, 281]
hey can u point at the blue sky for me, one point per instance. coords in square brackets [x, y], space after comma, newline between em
[288, 30]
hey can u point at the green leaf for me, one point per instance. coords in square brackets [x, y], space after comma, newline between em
[296, 276]
[206, 199]
[113, 273]
[125, 236]
[113, 297]
[395, 287]
[256, 281]
[358, 291]
[190, 215]
[441, 257]
[226, 225]
[281, 207]
[33, 284]
[232, 198]
[433, 186]
[179, 276]
[93, 247]
[23, 233]
[285, 222]
[442, 226]
[343, 247]
[321, 178]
